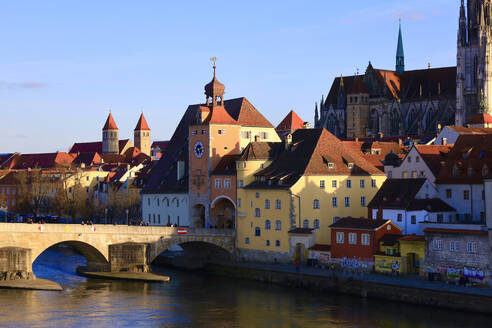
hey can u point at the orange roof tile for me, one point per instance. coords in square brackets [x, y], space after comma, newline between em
[110, 123]
[219, 116]
[290, 123]
[480, 119]
[142, 124]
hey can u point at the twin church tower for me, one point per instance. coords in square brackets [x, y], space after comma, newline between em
[474, 70]
[111, 141]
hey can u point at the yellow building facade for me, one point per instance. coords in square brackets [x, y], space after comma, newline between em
[290, 192]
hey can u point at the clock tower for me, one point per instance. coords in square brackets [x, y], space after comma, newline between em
[213, 135]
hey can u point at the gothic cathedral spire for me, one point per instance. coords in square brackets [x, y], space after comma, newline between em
[400, 58]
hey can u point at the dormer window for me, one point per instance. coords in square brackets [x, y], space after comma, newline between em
[331, 165]
[350, 165]
[456, 170]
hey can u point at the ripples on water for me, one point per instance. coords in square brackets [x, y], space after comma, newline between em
[198, 300]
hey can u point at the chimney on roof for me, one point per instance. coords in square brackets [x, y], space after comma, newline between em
[400, 142]
[357, 139]
[306, 125]
[288, 141]
[444, 141]
[380, 135]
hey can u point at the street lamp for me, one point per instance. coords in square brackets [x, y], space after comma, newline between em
[127, 223]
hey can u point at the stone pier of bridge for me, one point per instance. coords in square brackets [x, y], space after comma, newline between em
[107, 248]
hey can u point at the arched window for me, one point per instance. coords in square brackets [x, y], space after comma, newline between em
[305, 223]
[278, 225]
[485, 171]
[469, 171]
[316, 204]
[268, 225]
[316, 224]
[257, 232]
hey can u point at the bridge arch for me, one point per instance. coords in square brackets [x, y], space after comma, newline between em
[193, 245]
[96, 260]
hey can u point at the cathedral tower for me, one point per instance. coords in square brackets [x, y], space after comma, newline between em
[110, 142]
[474, 70]
[141, 136]
[400, 57]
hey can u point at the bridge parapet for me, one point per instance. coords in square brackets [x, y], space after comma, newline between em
[110, 229]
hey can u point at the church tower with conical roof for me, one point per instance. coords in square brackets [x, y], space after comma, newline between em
[110, 138]
[214, 90]
[400, 56]
[141, 135]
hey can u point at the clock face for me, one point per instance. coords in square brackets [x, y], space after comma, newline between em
[198, 149]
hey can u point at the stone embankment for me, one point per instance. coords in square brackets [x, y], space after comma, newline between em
[368, 286]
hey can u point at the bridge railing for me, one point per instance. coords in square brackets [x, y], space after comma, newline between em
[109, 229]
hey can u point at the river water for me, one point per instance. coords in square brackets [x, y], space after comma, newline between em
[194, 299]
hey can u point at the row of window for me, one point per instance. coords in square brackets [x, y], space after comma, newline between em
[158, 201]
[413, 218]
[268, 225]
[227, 183]
[334, 183]
[156, 219]
[7, 190]
[278, 204]
[316, 204]
[277, 242]
[247, 135]
[466, 194]
[195, 132]
[454, 246]
[413, 175]
[352, 238]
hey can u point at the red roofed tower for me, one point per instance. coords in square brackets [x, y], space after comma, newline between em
[141, 135]
[110, 142]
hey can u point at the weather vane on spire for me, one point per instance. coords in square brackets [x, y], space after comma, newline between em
[213, 60]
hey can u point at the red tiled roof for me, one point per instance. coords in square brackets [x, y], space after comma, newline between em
[94, 147]
[40, 161]
[413, 238]
[433, 155]
[290, 123]
[470, 130]
[219, 115]
[311, 153]
[358, 86]
[245, 113]
[87, 158]
[110, 123]
[142, 124]
[469, 161]
[480, 119]
[396, 193]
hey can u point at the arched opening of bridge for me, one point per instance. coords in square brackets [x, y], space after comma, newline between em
[223, 213]
[199, 216]
[191, 255]
[63, 259]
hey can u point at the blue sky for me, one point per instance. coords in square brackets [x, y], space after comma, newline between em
[63, 64]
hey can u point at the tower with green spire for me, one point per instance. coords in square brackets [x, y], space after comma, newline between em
[400, 57]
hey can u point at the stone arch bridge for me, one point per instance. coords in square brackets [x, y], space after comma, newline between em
[108, 248]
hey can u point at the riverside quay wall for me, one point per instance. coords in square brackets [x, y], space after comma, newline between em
[428, 294]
